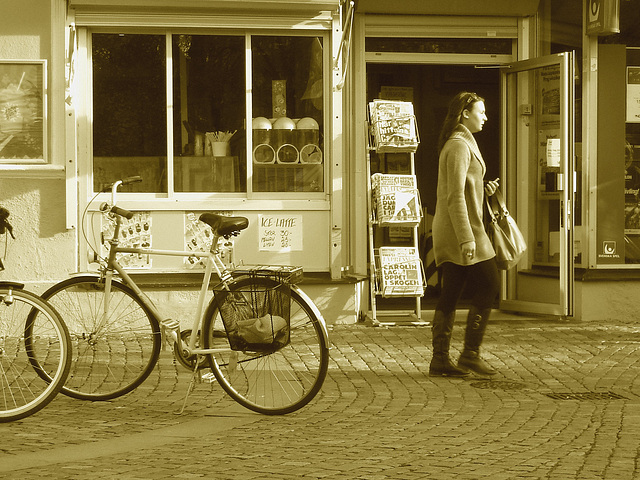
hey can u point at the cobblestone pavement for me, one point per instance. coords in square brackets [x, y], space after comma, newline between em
[565, 405]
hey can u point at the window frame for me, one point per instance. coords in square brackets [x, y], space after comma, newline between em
[172, 200]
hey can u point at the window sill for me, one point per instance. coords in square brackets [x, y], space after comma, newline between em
[32, 171]
[219, 203]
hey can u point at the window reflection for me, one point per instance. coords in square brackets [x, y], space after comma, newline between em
[209, 136]
[287, 150]
[209, 113]
[628, 66]
[129, 110]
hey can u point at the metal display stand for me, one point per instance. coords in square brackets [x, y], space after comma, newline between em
[375, 225]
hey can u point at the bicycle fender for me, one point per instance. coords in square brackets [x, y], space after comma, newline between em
[316, 311]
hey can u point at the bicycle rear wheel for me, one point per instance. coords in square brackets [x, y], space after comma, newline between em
[28, 327]
[270, 382]
[113, 351]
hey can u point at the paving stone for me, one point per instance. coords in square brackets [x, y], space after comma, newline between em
[378, 416]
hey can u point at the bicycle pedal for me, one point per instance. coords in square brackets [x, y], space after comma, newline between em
[171, 324]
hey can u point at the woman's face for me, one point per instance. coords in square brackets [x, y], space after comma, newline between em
[474, 117]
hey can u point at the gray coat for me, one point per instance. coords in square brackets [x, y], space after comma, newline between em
[459, 205]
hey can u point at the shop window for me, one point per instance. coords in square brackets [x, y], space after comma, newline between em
[208, 130]
[208, 113]
[619, 125]
[287, 149]
[129, 110]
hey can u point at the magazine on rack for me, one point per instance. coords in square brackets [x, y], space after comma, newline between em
[400, 272]
[393, 126]
[395, 200]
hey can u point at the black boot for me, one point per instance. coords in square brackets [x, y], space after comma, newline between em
[470, 360]
[441, 330]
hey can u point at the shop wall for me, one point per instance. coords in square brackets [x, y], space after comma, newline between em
[606, 300]
[339, 303]
[44, 249]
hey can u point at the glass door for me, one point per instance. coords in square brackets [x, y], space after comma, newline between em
[538, 179]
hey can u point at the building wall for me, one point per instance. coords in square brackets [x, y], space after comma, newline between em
[606, 300]
[44, 250]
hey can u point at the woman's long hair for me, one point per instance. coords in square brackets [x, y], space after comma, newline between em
[458, 104]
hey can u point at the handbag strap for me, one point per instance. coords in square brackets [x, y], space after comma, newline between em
[492, 214]
[498, 199]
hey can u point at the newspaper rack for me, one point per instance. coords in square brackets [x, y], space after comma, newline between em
[394, 206]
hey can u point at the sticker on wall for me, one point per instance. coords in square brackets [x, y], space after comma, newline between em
[280, 233]
[134, 233]
[609, 250]
[198, 238]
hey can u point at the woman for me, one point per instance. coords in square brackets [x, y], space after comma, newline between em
[460, 243]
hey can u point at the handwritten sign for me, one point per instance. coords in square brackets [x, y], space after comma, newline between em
[553, 152]
[280, 233]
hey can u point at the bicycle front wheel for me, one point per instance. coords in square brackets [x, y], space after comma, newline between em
[30, 327]
[116, 344]
[271, 382]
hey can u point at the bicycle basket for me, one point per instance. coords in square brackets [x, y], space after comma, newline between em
[256, 319]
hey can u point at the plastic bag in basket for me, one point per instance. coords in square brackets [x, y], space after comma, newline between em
[261, 330]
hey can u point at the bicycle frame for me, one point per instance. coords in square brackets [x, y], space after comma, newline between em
[212, 262]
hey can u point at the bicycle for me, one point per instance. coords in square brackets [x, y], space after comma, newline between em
[261, 335]
[35, 347]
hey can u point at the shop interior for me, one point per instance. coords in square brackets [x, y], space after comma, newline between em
[429, 88]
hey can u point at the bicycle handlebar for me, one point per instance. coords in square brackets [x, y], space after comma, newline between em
[114, 190]
[124, 181]
[116, 210]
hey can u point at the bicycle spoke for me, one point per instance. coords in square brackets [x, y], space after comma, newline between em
[278, 381]
[29, 329]
[114, 351]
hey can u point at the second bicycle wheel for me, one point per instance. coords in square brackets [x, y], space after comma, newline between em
[29, 329]
[114, 350]
[276, 381]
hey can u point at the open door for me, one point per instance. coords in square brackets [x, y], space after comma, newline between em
[538, 179]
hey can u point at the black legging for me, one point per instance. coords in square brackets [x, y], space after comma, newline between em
[483, 278]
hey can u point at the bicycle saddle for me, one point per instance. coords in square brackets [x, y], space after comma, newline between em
[224, 226]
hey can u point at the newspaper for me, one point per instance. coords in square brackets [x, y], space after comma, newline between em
[395, 200]
[400, 272]
[393, 126]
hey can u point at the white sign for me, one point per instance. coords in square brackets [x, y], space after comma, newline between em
[633, 94]
[279, 233]
[553, 152]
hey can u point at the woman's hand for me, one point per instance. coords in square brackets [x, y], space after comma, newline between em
[468, 250]
[491, 186]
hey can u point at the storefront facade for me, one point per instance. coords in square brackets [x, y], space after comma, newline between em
[258, 108]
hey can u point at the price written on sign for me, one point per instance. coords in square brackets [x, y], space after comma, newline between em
[280, 233]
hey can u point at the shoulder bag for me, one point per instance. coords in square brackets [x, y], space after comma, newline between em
[508, 241]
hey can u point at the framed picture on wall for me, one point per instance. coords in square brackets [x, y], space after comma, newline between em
[23, 111]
